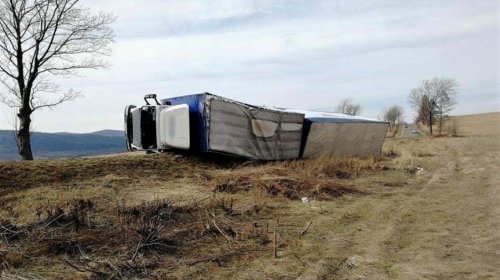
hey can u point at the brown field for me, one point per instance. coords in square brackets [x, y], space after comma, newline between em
[428, 208]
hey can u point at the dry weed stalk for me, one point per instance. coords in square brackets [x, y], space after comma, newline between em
[10, 231]
[218, 225]
[306, 228]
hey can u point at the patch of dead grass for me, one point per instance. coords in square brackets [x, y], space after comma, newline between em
[26, 203]
[290, 187]
[322, 178]
[333, 167]
[15, 175]
[130, 240]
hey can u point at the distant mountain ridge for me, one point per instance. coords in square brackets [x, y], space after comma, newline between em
[64, 145]
[109, 133]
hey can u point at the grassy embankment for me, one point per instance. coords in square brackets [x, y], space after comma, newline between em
[426, 208]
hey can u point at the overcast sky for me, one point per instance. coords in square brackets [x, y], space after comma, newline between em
[299, 54]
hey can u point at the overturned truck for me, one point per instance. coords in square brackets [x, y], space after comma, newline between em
[207, 123]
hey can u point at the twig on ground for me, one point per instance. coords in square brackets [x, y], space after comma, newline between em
[81, 269]
[275, 246]
[222, 232]
[306, 228]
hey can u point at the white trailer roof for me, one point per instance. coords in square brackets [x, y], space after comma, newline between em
[317, 116]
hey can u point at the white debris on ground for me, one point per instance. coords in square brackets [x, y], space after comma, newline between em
[351, 262]
[419, 170]
[305, 200]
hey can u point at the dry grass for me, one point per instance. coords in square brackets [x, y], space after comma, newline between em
[426, 208]
[467, 125]
[33, 174]
[322, 178]
[475, 124]
[74, 213]
[142, 240]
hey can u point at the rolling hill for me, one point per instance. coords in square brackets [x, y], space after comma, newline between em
[64, 145]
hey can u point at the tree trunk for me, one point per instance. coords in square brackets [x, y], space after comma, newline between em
[440, 123]
[24, 135]
[430, 121]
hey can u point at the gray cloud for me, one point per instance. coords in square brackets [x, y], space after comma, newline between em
[303, 54]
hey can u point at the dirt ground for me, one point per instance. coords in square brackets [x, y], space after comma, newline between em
[428, 208]
[443, 225]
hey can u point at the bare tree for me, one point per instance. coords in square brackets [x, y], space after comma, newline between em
[40, 39]
[347, 106]
[393, 115]
[433, 100]
[447, 100]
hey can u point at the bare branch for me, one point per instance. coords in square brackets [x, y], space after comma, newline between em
[347, 106]
[70, 95]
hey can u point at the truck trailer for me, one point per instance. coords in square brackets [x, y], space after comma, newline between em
[208, 123]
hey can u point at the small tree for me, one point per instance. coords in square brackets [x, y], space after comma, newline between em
[433, 100]
[42, 38]
[392, 115]
[347, 106]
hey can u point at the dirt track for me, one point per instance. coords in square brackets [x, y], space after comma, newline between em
[444, 225]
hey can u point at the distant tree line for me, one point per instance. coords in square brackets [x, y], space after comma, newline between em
[349, 107]
[393, 115]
